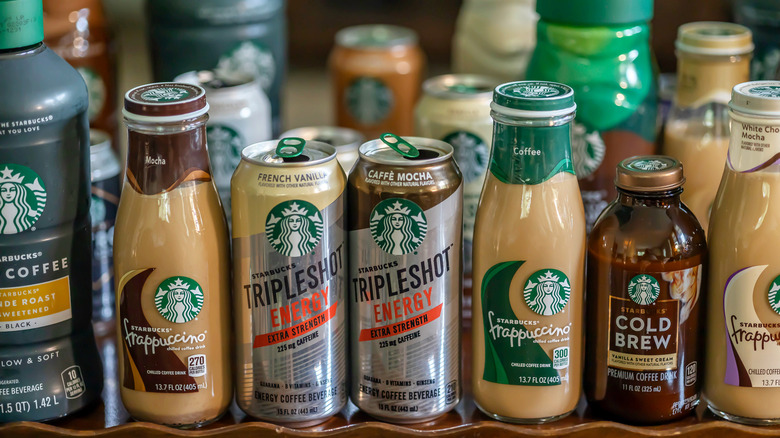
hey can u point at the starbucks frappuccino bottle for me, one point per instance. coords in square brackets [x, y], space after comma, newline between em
[171, 263]
[529, 256]
[712, 58]
[742, 380]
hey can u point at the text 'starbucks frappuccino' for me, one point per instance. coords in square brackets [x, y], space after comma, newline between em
[289, 282]
[405, 199]
[529, 260]
[171, 263]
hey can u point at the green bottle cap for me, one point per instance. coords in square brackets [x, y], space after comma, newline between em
[21, 23]
[595, 12]
[534, 99]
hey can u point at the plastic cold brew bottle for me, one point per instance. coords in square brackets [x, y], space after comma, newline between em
[529, 256]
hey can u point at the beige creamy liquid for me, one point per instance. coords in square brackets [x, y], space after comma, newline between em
[703, 155]
[744, 233]
[180, 232]
[544, 225]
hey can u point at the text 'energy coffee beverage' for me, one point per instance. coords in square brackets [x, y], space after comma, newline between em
[49, 363]
[171, 263]
[290, 279]
[529, 260]
[743, 305]
[345, 140]
[405, 200]
[646, 266]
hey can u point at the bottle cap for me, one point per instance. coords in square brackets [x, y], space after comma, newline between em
[21, 23]
[372, 36]
[534, 99]
[595, 12]
[165, 102]
[760, 98]
[649, 173]
[714, 38]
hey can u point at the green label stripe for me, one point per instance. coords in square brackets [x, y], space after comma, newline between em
[523, 155]
[507, 343]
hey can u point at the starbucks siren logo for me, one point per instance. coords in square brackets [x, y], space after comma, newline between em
[766, 91]
[225, 145]
[178, 299]
[97, 211]
[96, 90]
[649, 165]
[587, 149]
[774, 297]
[537, 90]
[398, 226]
[248, 59]
[22, 198]
[471, 154]
[547, 291]
[294, 227]
[165, 94]
[368, 100]
[643, 289]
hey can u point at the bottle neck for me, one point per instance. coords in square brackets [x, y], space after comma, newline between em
[164, 157]
[703, 79]
[664, 199]
[530, 151]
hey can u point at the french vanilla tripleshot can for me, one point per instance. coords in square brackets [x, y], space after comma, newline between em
[289, 282]
[405, 238]
[345, 140]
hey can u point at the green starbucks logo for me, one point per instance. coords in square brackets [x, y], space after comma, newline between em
[179, 299]
[294, 227]
[643, 289]
[248, 59]
[547, 291]
[588, 150]
[471, 154]
[398, 226]
[536, 90]
[165, 94]
[22, 198]
[97, 211]
[766, 91]
[225, 144]
[774, 297]
[649, 165]
[368, 100]
[96, 90]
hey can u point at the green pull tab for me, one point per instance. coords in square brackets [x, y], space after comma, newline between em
[290, 147]
[395, 141]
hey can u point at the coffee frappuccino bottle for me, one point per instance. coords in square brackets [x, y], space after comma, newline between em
[172, 263]
[646, 259]
[743, 329]
[712, 58]
[529, 256]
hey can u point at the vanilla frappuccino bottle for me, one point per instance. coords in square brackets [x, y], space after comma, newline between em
[742, 376]
[529, 256]
[171, 264]
[712, 58]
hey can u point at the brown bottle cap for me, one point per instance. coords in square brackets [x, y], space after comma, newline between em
[649, 173]
[165, 102]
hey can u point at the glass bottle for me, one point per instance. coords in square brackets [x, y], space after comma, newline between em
[763, 19]
[171, 264]
[529, 256]
[601, 48]
[743, 325]
[712, 58]
[646, 264]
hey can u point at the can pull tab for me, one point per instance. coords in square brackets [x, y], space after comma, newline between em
[290, 147]
[395, 142]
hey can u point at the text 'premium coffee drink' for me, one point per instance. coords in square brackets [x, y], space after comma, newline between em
[405, 198]
[529, 260]
[171, 263]
[290, 278]
[646, 266]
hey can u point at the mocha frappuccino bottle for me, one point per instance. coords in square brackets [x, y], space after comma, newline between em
[171, 263]
[529, 260]
[742, 380]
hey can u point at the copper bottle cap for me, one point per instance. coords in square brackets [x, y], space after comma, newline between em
[165, 102]
[649, 173]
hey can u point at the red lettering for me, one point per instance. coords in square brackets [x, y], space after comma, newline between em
[306, 307]
[407, 305]
[275, 318]
[284, 311]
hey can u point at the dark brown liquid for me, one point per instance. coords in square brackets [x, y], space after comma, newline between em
[641, 237]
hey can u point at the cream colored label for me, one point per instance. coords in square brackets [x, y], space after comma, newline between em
[753, 147]
[32, 306]
[703, 81]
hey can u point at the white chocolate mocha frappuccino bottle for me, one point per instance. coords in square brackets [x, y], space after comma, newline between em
[529, 256]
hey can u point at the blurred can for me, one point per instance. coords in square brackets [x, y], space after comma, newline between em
[345, 140]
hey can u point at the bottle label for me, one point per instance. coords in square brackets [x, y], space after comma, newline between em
[530, 155]
[533, 351]
[22, 198]
[368, 100]
[753, 328]
[472, 155]
[105, 201]
[753, 147]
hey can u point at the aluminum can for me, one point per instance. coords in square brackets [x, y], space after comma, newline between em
[405, 236]
[105, 170]
[456, 109]
[290, 278]
[239, 115]
[345, 140]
